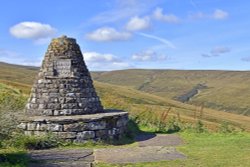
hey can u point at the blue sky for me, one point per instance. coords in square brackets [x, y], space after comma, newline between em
[119, 34]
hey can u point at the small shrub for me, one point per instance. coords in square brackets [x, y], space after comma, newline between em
[173, 125]
[162, 122]
[11, 102]
[8, 124]
[133, 128]
[225, 127]
[33, 142]
[199, 127]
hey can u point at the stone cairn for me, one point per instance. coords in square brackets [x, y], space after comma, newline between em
[63, 100]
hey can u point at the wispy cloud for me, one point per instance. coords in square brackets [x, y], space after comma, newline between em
[218, 14]
[162, 40]
[220, 50]
[107, 34]
[123, 10]
[148, 55]
[247, 59]
[217, 51]
[193, 3]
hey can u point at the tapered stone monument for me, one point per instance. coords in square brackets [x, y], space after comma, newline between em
[63, 100]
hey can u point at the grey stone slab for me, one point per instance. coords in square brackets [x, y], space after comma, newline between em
[62, 155]
[137, 154]
[150, 139]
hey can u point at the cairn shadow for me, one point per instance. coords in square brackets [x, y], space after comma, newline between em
[134, 134]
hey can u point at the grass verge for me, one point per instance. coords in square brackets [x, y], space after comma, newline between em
[206, 150]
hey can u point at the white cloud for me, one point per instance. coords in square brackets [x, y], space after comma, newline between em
[148, 55]
[162, 40]
[97, 57]
[169, 18]
[107, 34]
[99, 61]
[32, 30]
[136, 23]
[220, 14]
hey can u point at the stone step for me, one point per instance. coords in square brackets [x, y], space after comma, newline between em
[62, 164]
[62, 157]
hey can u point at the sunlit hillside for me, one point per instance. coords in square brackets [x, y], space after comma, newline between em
[136, 102]
[225, 90]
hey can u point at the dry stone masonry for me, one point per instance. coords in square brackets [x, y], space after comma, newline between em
[64, 102]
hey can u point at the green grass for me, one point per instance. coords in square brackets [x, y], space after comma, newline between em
[207, 150]
[227, 90]
[13, 157]
[136, 102]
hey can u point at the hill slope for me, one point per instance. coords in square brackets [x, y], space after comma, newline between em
[138, 103]
[223, 90]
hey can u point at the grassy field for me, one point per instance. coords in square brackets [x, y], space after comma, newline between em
[149, 107]
[20, 79]
[226, 90]
[207, 150]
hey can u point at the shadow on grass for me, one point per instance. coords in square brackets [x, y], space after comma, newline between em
[18, 159]
[133, 135]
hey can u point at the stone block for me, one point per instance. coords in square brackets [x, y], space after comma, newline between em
[51, 127]
[29, 133]
[54, 106]
[122, 122]
[101, 133]
[96, 125]
[113, 131]
[22, 126]
[77, 127]
[54, 94]
[71, 95]
[31, 126]
[42, 106]
[69, 106]
[39, 133]
[85, 135]
[48, 112]
[66, 135]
